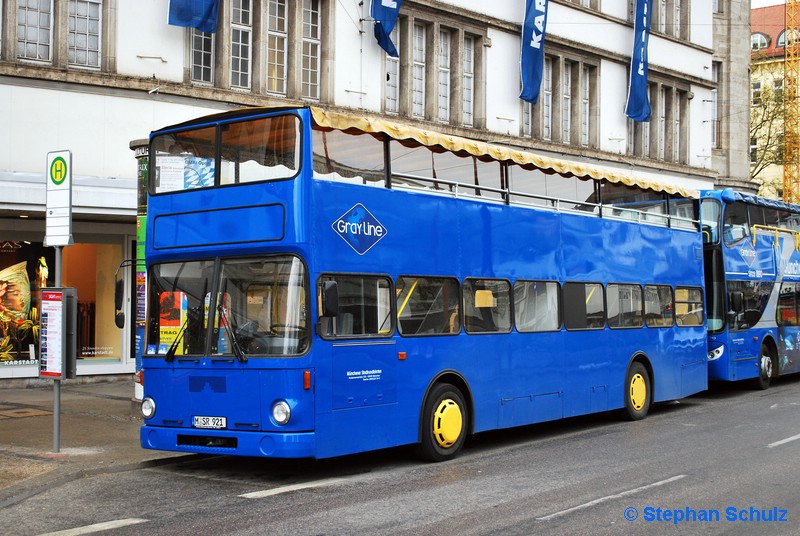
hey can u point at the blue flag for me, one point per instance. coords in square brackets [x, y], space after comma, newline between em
[532, 54]
[638, 105]
[384, 13]
[200, 14]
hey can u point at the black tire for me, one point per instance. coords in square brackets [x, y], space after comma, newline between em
[638, 393]
[445, 420]
[766, 369]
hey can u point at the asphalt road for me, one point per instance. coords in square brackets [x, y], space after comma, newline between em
[725, 461]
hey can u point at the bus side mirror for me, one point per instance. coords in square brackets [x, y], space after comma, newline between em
[119, 294]
[330, 299]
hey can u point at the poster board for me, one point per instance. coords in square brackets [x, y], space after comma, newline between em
[58, 330]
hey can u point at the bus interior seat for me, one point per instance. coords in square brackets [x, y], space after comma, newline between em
[344, 324]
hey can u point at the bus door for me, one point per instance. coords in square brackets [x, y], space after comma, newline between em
[356, 327]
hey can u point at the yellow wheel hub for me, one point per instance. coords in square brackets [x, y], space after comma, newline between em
[638, 392]
[448, 423]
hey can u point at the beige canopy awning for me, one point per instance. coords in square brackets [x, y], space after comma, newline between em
[487, 151]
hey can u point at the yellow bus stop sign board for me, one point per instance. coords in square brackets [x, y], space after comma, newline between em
[59, 199]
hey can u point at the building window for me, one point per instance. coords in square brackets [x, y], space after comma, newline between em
[716, 68]
[468, 91]
[443, 82]
[758, 41]
[275, 47]
[527, 113]
[676, 128]
[566, 102]
[662, 123]
[715, 123]
[590, 4]
[781, 40]
[756, 98]
[754, 150]
[35, 30]
[202, 57]
[630, 137]
[639, 143]
[540, 116]
[241, 43]
[661, 16]
[547, 99]
[670, 17]
[393, 76]
[277, 36]
[418, 72]
[566, 109]
[585, 92]
[311, 49]
[84, 33]
[438, 80]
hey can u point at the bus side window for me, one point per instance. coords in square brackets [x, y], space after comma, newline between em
[364, 306]
[536, 306]
[735, 227]
[584, 306]
[689, 306]
[487, 306]
[427, 306]
[658, 306]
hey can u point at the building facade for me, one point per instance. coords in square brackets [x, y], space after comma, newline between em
[90, 76]
[767, 40]
[730, 102]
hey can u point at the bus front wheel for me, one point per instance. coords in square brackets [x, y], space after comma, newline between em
[766, 369]
[638, 395]
[445, 418]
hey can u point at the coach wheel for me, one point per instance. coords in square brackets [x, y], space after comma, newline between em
[637, 392]
[765, 368]
[444, 423]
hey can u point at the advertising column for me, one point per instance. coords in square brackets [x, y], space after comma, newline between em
[140, 148]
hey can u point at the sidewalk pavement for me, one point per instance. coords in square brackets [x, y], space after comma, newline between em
[99, 433]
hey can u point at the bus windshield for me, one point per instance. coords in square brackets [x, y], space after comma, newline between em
[260, 149]
[255, 306]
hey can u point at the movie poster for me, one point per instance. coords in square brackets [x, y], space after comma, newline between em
[24, 272]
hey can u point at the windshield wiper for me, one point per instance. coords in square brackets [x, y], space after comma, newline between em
[231, 331]
[170, 356]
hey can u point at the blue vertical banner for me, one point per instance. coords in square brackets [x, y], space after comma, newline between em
[200, 14]
[531, 60]
[384, 13]
[638, 105]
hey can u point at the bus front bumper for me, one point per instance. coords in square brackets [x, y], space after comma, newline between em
[229, 442]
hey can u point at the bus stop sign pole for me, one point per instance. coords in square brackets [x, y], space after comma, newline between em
[58, 233]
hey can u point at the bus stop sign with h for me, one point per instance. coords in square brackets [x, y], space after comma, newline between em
[58, 329]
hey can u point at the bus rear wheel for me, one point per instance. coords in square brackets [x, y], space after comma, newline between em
[766, 369]
[445, 418]
[638, 395]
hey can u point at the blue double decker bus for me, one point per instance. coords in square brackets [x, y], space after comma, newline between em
[321, 284]
[752, 263]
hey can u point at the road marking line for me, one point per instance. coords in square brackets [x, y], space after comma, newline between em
[97, 527]
[293, 487]
[610, 497]
[782, 441]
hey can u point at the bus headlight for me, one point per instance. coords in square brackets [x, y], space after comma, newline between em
[148, 407]
[716, 353]
[281, 412]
